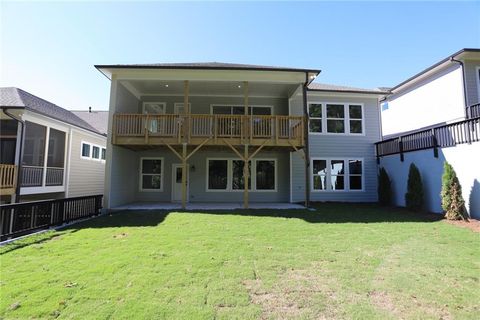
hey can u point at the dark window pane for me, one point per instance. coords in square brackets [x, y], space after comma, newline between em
[315, 125]
[335, 111]
[319, 182]
[85, 150]
[34, 149]
[7, 151]
[238, 182]
[319, 167]
[221, 110]
[355, 126]
[8, 128]
[238, 110]
[315, 110]
[355, 112]
[217, 174]
[338, 167]
[152, 166]
[178, 175]
[95, 152]
[355, 183]
[262, 111]
[338, 182]
[56, 149]
[335, 126]
[355, 166]
[265, 175]
[104, 153]
[151, 182]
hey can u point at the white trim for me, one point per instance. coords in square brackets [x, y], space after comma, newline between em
[240, 105]
[89, 150]
[346, 119]
[37, 190]
[477, 77]
[328, 174]
[69, 163]
[45, 160]
[253, 177]
[178, 105]
[140, 174]
[164, 106]
[132, 89]
[174, 181]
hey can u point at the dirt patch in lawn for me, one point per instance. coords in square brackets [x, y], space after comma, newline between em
[472, 224]
[297, 294]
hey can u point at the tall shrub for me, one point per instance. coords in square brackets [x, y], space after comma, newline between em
[384, 188]
[452, 200]
[414, 195]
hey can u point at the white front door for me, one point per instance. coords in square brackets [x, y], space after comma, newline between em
[177, 183]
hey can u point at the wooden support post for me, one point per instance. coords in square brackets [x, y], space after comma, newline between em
[146, 128]
[184, 176]
[245, 111]
[246, 176]
[186, 112]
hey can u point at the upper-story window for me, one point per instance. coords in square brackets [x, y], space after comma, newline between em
[336, 118]
[91, 151]
[240, 110]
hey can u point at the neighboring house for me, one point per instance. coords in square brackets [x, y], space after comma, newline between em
[184, 132]
[61, 154]
[98, 119]
[439, 94]
[431, 118]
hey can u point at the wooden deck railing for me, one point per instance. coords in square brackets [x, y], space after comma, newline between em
[8, 179]
[281, 130]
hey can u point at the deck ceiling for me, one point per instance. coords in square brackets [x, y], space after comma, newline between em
[209, 88]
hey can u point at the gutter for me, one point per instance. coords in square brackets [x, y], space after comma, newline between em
[462, 65]
[20, 153]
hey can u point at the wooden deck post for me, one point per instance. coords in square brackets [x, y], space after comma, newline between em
[184, 176]
[246, 134]
[245, 177]
[186, 112]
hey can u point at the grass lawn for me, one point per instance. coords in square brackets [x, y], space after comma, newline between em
[341, 261]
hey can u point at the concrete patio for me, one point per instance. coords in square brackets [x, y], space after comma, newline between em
[206, 206]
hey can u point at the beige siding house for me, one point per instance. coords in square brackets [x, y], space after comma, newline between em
[47, 152]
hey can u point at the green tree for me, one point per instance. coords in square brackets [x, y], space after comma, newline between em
[452, 200]
[414, 195]
[384, 188]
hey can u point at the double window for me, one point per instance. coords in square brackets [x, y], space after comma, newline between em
[337, 174]
[91, 151]
[151, 174]
[240, 110]
[336, 118]
[227, 175]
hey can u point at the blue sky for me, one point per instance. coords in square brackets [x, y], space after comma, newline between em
[49, 49]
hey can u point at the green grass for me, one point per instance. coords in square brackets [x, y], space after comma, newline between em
[342, 261]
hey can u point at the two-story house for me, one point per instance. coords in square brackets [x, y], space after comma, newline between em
[216, 132]
[47, 152]
[439, 109]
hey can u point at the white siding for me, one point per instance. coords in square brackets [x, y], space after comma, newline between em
[472, 81]
[87, 176]
[439, 99]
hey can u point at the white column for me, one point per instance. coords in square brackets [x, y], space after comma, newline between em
[45, 160]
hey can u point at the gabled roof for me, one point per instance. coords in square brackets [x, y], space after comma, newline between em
[448, 59]
[18, 98]
[204, 66]
[315, 86]
[97, 119]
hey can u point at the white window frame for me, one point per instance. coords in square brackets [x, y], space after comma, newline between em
[140, 174]
[240, 105]
[253, 177]
[89, 151]
[164, 105]
[346, 174]
[179, 105]
[346, 119]
[99, 152]
[315, 118]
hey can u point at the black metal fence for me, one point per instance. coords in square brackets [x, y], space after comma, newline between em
[24, 218]
[449, 135]
[473, 111]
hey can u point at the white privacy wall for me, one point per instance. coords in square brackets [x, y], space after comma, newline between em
[435, 100]
[465, 160]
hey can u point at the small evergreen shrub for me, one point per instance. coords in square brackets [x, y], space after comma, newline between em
[384, 188]
[414, 195]
[452, 200]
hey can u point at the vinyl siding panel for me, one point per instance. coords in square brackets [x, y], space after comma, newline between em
[343, 146]
[87, 176]
[438, 99]
[124, 173]
[472, 81]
